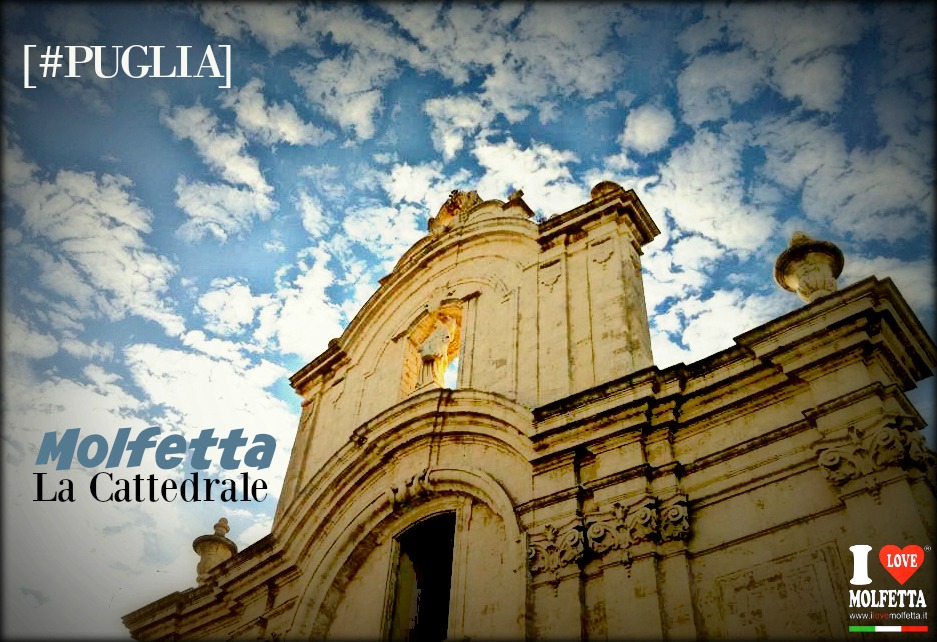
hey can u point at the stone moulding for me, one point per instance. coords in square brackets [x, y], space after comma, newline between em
[618, 528]
[891, 442]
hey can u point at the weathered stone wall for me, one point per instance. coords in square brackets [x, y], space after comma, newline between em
[595, 496]
[542, 312]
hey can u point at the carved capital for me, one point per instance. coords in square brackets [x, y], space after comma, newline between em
[674, 519]
[891, 442]
[641, 521]
[622, 526]
[606, 531]
[554, 548]
[840, 464]
[616, 529]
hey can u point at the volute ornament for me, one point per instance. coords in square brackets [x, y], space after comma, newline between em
[889, 442]
[555, 548]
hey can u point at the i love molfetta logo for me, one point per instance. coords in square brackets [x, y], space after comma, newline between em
[902, 604]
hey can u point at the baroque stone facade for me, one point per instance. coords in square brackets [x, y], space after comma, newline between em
[565, 487]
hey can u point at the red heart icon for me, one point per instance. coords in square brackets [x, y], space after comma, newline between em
[902, 563]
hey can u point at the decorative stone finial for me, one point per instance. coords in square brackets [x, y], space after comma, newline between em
[457, 203]
[603, 188]
[221, 527]
[213, 549]
[809, 267]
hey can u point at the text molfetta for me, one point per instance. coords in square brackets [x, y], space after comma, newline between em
[94, 450]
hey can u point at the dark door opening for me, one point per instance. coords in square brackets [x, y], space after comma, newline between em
[424, 574]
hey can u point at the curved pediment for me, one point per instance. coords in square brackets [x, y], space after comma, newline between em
[428, 427]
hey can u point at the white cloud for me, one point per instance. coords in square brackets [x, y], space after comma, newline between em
[539, 170]
[202, 390]
[707, 325]
[218, 209]
[216, 348]
[276, 26]
[454, 118]
[695, 251]
[326, 179]
[799, 44]
[545, 57]
[348, 89]
[301, 316]
[87, 351]
[60, 275]
[19, 338]
[274, 245]
[796, 50]
[819, 83]
[674, 271]
[914, 279]
[647, 129]
[314, 220]
[526, 56]
[458, 39]
[346, 25]
[712, 84]
[271, 123]
[96, 227]
[60, 316]
[426, 185]
[387, 232]
[109, 545]
[703, 189]
[260, 526]
[880, 193]
[229, 307]
[222, 150]
[74, 23]
[904, 112]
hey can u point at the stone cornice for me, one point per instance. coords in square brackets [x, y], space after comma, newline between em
[607, 198]
[763, 364]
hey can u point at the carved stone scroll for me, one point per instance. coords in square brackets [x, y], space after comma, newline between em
[891, 442]
[641, 521]
[616, 529]
[674, 519]
[554, 548]
[606, 531]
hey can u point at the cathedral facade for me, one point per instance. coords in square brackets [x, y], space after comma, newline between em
[564, 487]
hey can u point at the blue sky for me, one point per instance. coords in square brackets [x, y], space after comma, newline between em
[173, 251]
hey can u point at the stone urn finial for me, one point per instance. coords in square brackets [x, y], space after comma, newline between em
[809, 267]
[213, 549]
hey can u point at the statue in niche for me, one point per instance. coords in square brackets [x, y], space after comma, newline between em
[434, 351]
